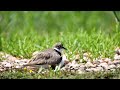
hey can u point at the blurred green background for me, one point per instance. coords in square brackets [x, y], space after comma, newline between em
[20, 27]
[55, 20]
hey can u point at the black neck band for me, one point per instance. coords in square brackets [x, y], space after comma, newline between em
[58, 52]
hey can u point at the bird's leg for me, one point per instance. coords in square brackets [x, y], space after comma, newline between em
[40, 70]
[57, 68]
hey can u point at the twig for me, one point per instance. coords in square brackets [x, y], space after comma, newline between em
[116, 16]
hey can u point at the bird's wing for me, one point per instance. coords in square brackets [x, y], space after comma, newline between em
[46, 58]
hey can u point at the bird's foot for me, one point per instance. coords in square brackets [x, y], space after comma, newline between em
[57, 68]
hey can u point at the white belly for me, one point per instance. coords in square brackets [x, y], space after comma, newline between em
[61, 63]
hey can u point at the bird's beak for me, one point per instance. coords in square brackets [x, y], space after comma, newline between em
[64, 48]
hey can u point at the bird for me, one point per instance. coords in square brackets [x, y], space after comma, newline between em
[52, 56]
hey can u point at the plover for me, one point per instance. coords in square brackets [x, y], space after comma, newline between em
[51, 57]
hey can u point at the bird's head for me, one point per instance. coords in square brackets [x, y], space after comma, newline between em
[59, 47]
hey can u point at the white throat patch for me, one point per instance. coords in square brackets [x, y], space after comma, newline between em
[59, 50]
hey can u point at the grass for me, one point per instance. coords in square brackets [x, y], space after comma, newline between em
[22, 33]
[20, 74]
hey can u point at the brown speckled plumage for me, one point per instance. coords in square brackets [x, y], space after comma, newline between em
[47, 57]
